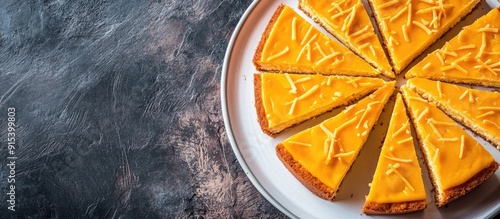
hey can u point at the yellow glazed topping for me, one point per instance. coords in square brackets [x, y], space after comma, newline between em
[453, 155]
[291, 98]
[328, 150]
[398, 177]
[481, 108]
[349, 21]
[294, 45]
[473, 56]
[410, 26]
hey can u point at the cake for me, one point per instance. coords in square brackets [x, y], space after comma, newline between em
[397, 186]
[349, 22]
[477, 109]
[292, 44]
[409, 27]
[320, 156]
[283, 100]
[471, 57]
[457, 163]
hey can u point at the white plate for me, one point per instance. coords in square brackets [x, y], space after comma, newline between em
[255, 151]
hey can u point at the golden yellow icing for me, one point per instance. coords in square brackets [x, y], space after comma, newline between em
[294, 45]
[479, 108]
[404, 184]
[409, 26]
[331, 147]
[349, 21]
[473, 56]
[453, 156]
[292, 98]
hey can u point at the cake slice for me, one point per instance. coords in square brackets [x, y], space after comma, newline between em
[283, 100]
[477, 109]
[408, 27]
[348, 21]
[319, 157]
[292, 44]
[457, 163]
[397, 185]
[471, 57]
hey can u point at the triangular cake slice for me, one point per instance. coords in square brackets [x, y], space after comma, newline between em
[397, 185]
[292, 44]
[477, 109]
[319, 157]
[457, 163]
[471, 57]
[408, 27]
[348, 21]
[283, 100]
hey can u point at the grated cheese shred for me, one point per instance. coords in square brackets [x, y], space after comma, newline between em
[464, 94]
[483, 45]
[300, 143]
[496, 108]
[277, 55]
[393, 169]
[462, 140]
[292, 108]
[292, 85]
[388, 4]
[309, 92]
[333, 55]
[409, 19]
[448, 139]
[373, 50]
[485, 121]
[426, 66]
[439, 89]
[485, 114]
[400, 130]
[398, 159]
[306, 36]
[423, 27]
[436, 153]
[359, 32]
[398, 14]
[422, 114]
[405, 140]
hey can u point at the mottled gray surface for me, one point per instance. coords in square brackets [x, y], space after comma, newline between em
[118, 110]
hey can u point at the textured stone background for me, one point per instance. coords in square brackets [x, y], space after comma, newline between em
[118, 110]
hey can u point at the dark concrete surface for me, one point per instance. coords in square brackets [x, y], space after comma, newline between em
[115, 111]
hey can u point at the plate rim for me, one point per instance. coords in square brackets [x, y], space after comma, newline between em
[227, 122]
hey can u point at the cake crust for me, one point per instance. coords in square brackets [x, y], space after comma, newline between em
[261, 113]
[394, 208]
[258, 52]
[460, 190]
[304, 177]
